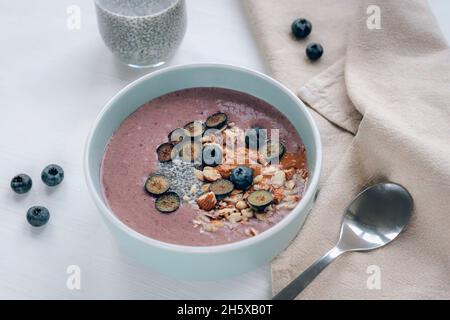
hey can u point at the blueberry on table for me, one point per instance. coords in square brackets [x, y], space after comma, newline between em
[52, 175]
[21, 183]
[242, 177]
[38, 216]
[314, 51]
[301, 28]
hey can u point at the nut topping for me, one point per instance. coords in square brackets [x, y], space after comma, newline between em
[211, 174]
[207, 201]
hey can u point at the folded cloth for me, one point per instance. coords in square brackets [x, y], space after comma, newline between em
[381, 98]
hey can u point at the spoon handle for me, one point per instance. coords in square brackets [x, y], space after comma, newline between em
[304, 279]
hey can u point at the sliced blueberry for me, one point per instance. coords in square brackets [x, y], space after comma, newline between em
[314, 51]
[164, 152]
[21, 183]
[260, 200]
[177, 135]
[301, 28]
[157, 184]
[168, 203]
[216, 121]
[222, 188]
[242, 177]
[52, 175]
[194, 129]
[38, 216]
[255, 137]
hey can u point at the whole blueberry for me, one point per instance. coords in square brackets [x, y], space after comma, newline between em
[21, 183]
[301, 28]
[242, 177]
[255, 137]
[314, 51]
[38, 216]
[52, 175]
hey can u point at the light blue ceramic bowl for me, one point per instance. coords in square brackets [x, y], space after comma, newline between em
[211, 262]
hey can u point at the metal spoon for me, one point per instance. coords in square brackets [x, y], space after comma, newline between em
[374, 218]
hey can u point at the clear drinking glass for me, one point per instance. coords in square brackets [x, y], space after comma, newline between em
[142, 33]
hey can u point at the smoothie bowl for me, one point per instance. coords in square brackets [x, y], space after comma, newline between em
[204, 171]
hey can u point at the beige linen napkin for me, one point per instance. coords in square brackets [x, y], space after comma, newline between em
[381, 99]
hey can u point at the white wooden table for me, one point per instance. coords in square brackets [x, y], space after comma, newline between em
[53, 82]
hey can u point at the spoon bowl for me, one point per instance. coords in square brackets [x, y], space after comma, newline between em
[374, 218]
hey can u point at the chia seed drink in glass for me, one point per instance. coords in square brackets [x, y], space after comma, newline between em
[142, 33]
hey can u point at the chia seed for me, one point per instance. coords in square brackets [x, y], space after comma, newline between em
[142, 33]
[181, 178]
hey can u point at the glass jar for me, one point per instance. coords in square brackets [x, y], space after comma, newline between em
[142, 33]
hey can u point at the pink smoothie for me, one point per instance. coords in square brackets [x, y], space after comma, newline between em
[130, 157]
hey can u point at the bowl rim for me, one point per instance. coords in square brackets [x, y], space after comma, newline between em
[302, 205]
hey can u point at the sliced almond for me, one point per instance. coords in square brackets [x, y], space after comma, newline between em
[269, 171]
[201, 218]
[287, 205]
[288, 192]
[303, 173]
[260, 186]
[251, 232]
[277, 195]
[223, 204]
[225, 170]
[262, 159]
[235, 217]
[258, 179]
[211, 174]
[261, 216]
[207, 201]
[235, 192]
[289, 173]
[225, 212]
[218, 223]
[247, 213]
[234, 199]
[210, 227]
[241, 205]
[291, 198]
[199, 175]
[278, 179]
[290, 184]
